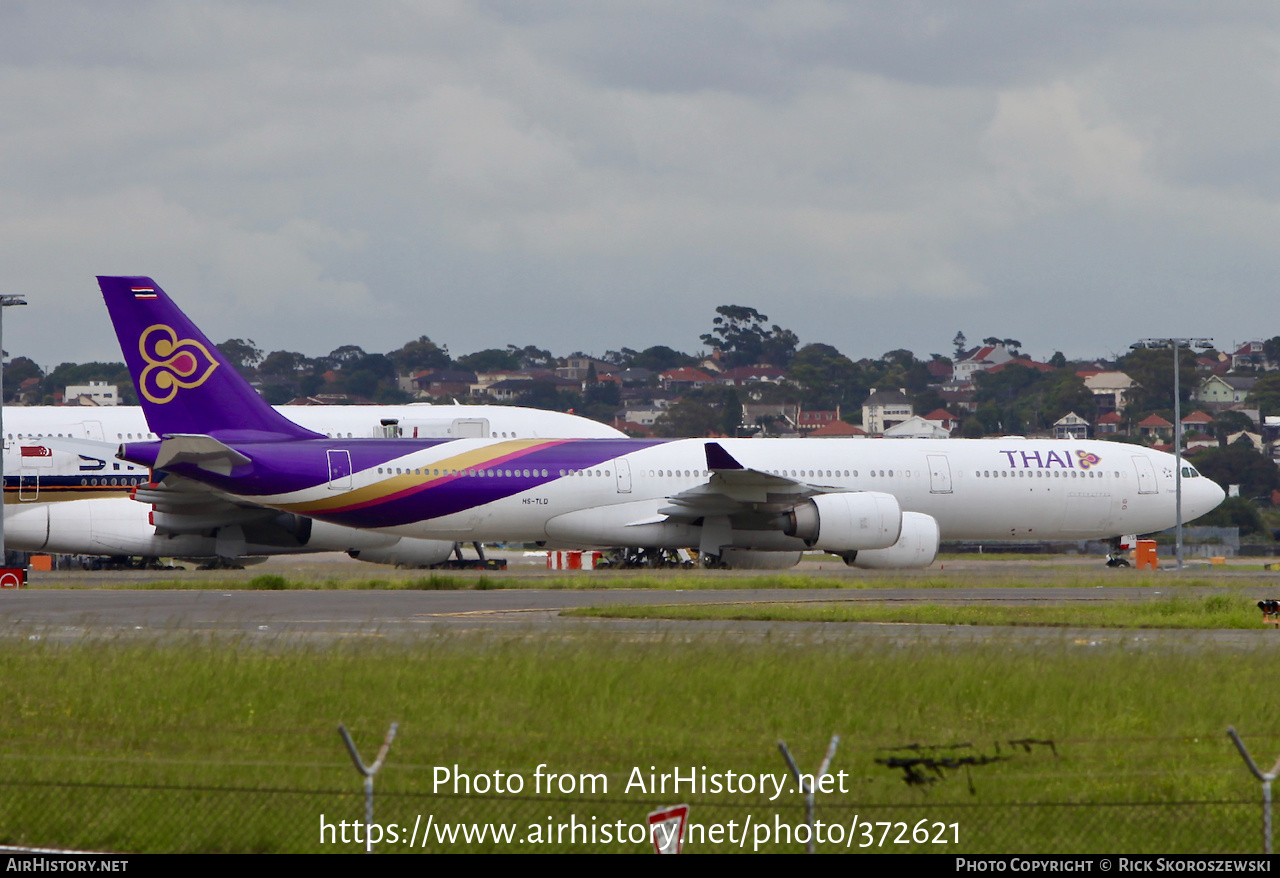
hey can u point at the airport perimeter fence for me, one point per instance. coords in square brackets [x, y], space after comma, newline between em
[192, 819]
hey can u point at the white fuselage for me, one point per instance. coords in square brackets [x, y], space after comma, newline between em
[1008, 488]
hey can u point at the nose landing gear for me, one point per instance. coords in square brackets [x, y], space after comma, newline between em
[1116, 557]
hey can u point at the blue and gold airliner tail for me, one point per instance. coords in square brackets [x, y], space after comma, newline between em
[184, 383]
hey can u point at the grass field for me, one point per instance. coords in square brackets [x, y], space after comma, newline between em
[122, 746]
[1203, 613]
[191, 743]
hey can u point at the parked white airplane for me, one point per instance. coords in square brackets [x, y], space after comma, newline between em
[40, 479]
[875, 503]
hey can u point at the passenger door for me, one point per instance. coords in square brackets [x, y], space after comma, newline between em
[339, 470]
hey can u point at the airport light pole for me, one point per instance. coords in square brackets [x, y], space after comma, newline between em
[5, 302]
[1177, 344]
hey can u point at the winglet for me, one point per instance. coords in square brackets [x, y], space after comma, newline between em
[719, 459]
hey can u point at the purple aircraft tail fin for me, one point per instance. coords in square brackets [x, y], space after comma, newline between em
[184, 383]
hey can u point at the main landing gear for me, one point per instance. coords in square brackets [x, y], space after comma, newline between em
[631, 559]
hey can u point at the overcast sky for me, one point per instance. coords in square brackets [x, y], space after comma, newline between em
[589, 175]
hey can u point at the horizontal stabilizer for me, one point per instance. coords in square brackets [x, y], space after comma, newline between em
[203, 451]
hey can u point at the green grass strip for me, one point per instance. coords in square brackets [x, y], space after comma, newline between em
[1212, 612]
[837, 577]
[141, 747]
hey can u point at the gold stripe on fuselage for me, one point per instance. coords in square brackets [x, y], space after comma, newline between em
[449, 467]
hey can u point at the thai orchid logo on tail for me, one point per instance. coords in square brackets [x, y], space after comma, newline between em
[171, 364]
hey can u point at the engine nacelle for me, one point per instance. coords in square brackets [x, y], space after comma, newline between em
[847, 522]
[751, 559]
[622, 524]
[321, 536]
[916, 547]
[408, 552]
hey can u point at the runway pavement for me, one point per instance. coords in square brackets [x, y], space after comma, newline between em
[333, 616]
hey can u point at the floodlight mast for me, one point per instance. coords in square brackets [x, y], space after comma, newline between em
[1177, 344]
[5, 302]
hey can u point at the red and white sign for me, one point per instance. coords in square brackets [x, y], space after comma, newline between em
[12, 577]
[36, 451]
[666, 829]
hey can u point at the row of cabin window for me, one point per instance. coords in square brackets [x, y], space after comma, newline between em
[604, 473]
[814, 474]
[511, 473]
[400, 432]
[70, 436]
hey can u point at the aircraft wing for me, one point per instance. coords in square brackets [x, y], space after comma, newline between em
[734, 489]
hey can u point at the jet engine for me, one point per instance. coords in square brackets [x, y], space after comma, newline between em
[847, 522]
[916, 547]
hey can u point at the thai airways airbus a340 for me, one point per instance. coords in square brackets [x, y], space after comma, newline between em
[874, 503]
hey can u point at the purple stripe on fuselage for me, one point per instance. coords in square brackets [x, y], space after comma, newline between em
[470, 492]
[286, 467]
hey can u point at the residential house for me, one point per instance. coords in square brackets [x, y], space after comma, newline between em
[808, 421]
[632, 375]
[439, 383]
[1071, 426]
[93, 393]
[1197, 422]
[509, 389]
[1217, 362]
[744, 375]
[916, 427]
[1154, 428]
[583, 385]
[1026, 364]
[577, 368]
[684, 378]
[944, 419]
[485, 379]
[837, 430]
[979, 360]
[1220, 391]
[1251, 355]
[1110, 389]
[882, 409]
[631, 428]
[1108, 425]
[940, 371]
[1195, 440]
[644, 416]
[1253, 439]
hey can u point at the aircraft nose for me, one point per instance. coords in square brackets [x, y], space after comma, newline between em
[1205, 496]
